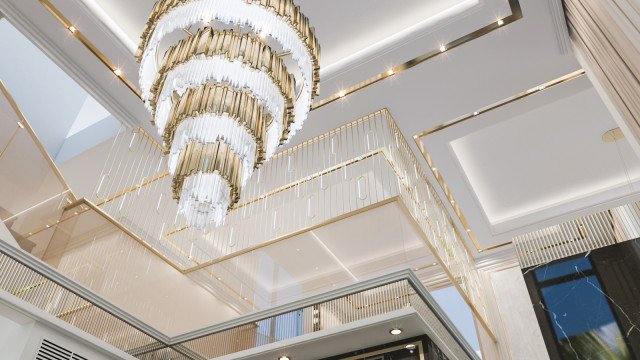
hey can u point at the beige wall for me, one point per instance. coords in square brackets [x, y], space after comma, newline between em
[511, 315]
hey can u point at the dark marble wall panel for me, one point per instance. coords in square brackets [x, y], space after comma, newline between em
[588, 305]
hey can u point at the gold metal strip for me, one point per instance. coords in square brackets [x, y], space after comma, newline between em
[36, 139]
[438, 176]
[393, 124]
[89, 45]
[516, 14]
[311, 177]
[29, 287]
[450, 275]
[73, 311]
[424, 267]
[133, 188]
[13, 136]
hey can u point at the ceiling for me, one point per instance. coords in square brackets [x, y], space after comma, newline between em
[509, 170]
[523, 54]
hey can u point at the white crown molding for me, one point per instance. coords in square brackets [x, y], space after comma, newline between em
[559, 21]
[400, 39]
[107, 25]
[46, 44]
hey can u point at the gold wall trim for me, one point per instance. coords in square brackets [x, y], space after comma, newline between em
[420, 142]
[36, 139]
[75, 32]
[516, 14]
[155, 143]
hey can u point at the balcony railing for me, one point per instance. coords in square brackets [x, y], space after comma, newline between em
[47, 220]
[580, 235]
[28, 279]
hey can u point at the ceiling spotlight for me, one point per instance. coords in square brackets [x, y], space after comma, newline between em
[443, 48]
[284, 357]
[541, 87]
[118, 72]
[390, 72]
[410, 346]
[500, 22]
[342, 93]
[476, 113]
[72, 29]
[395, 331]
[20, 125]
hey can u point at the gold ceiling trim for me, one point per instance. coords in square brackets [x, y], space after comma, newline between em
[25, 123]
[75, 32]
[419, 140]
[516, 14]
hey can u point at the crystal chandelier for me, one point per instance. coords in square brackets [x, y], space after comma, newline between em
[236, 81]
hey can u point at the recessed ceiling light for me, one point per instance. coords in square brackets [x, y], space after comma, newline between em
[476, 113]
[500, 22]
[118, 72]
[395, 331]
[541, 87]
[443, 48]
[284, 357]
[410, 346]
[73, 29]
[390, 72]
[342, 93]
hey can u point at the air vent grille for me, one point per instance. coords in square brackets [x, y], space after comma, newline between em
[51, 351]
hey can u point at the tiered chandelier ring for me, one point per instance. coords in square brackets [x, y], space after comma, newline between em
[224, 98]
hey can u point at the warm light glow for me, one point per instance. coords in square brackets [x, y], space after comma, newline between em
[284, 357]
[500, 22]
[395, 331]
[118, 72]
[390, 72]
[541, 87]
[443, 48]
[20, 125]
[342, 93]
[476, 113]
[72, 29]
